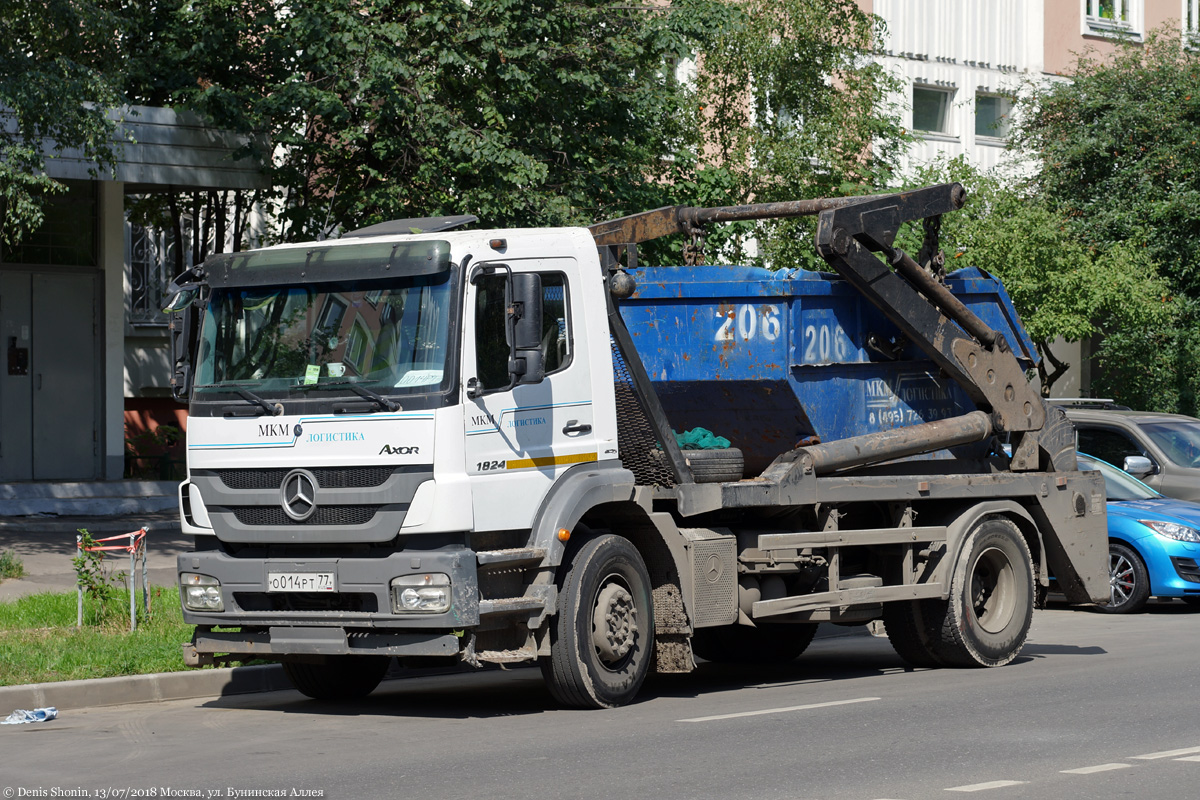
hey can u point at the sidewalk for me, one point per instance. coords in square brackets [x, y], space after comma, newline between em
[46, 545]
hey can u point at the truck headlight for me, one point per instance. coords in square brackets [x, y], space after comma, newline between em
[1172, 530]
[421, 594]
[201, 592]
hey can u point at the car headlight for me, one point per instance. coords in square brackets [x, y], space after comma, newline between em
[421, 594]
[1172, 530]
[201, 592]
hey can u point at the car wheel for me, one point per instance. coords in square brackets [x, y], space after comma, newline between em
[1128, 581]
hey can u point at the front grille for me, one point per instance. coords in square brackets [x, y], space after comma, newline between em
[306, 601]
[327, 477]
[1186, 568]
[324, 515]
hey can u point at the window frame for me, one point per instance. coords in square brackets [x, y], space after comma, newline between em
[1000, 135]
[505, 272]
[948, 94]
[1130, 23]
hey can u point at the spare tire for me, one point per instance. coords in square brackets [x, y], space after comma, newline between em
[715, 466]
[710, 466]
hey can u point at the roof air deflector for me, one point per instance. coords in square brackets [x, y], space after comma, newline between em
[421, 225]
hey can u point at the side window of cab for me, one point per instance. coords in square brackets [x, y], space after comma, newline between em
[491, 336]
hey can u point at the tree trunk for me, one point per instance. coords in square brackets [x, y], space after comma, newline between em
[1048, 378]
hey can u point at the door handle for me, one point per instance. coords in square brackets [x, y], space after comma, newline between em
[573, 426]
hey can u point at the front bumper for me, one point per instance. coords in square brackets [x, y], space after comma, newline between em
[357, 618]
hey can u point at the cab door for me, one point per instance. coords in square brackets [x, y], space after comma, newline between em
[521, 436]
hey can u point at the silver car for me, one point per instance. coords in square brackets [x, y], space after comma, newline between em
[1163, 450]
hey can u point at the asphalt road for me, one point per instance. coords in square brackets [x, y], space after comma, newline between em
[1095, 707]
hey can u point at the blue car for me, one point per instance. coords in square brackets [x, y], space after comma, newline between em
[1153, 542]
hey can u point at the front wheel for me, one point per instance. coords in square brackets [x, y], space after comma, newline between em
[337, 677]
[1128, 581]
[602, 640]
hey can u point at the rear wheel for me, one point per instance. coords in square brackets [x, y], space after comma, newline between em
[602, 640]
[1128, 581]
[990, 606]
[766, 643]
[337, 677]
[913, 629]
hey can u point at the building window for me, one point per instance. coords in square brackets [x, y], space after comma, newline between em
[931, 109]
[991, 115]
[1191, 22]
[148, 277]
[68, 234]
[1112, 16]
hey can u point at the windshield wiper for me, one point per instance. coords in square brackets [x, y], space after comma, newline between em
[383, 403]
[262, 406]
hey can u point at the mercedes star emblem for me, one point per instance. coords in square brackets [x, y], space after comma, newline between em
[299, 494]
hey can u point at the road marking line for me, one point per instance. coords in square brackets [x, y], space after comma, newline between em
[1189, 758]
[1184, 751]
[780, 710]
[979, 787]
[1097, 768]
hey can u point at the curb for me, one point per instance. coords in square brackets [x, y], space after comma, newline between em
[190, 684]
[153, 688]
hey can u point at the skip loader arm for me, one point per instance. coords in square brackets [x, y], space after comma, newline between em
[856, 237]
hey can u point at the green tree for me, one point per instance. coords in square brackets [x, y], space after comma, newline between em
[58, 82]
[524, 112]
[520, 112]
[1060, 286]
[795, 107]
[1118, 151]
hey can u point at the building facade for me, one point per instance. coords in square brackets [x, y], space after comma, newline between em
[67, 348]
[961, 60]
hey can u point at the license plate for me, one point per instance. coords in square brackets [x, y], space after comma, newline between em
[301, 582]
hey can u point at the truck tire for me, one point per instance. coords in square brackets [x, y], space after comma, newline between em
[990, 608]
[716, 466]
[711, 466]
[767, 643]
[602, 639]
[909, 630]
[1129, 581]
[338, 677]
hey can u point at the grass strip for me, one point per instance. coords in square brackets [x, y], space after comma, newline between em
[39, 642]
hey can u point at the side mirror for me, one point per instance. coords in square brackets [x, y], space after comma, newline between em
[181, 300]
[1139, 466]
[525, 328]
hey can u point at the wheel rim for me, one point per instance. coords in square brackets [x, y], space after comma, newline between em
[993, 590]
[614, 623]
[1121, 579]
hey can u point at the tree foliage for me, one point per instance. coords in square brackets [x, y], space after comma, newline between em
[520, 112]
[58, 80]
[1060, 286]
[795, 107]
[1119, 154]
[525, 112]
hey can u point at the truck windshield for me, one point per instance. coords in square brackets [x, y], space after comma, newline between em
[388, 334]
